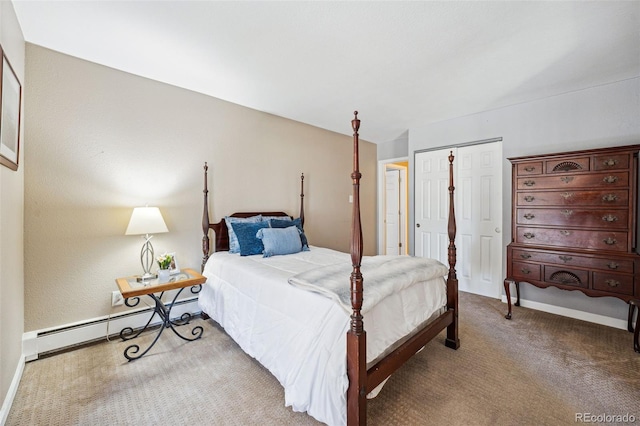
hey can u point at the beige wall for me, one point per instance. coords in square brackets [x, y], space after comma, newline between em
[11, 224]
[102, 142]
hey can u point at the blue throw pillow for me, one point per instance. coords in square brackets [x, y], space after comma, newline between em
[277, 223]
[234, 247]
[246, 234]
[279, 241]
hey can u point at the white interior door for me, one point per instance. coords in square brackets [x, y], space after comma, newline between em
[392, 211]
[478, 205]
[404, 229]
[393, 191]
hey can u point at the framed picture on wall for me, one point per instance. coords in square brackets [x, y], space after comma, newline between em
[11, 97]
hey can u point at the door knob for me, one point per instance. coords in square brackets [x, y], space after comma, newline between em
[498, 230]
[417, 225]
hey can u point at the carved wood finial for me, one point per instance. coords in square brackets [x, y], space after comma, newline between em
[355, 123]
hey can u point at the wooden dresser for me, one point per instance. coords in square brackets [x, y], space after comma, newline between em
[574, 224]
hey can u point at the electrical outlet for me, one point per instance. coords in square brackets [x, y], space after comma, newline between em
[116, 298]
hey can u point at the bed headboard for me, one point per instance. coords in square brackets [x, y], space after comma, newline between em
[221, 233]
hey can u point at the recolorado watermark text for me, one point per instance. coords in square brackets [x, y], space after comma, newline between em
[605, 418]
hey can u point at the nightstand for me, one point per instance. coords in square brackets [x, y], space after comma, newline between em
[131, 289]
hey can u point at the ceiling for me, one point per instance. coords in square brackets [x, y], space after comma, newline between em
[401, 64]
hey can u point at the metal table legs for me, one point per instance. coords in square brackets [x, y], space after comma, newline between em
[164, 313]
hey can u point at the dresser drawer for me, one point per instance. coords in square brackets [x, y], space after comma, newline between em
[566, 277]
[576, 164]
[614, 283]
[606, 219]
[526, 271]
[614, 198]
[533, 168]
[574, 238]
[611, 162]
[592, 180]
[605, 263]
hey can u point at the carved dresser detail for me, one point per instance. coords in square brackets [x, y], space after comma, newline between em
[574, 224]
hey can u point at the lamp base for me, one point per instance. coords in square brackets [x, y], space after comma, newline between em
[146, 277]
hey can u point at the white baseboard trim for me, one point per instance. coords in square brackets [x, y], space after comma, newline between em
[571, 313]
[54, 339]
[11, 392]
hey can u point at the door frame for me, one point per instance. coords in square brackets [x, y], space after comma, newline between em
[382, 166]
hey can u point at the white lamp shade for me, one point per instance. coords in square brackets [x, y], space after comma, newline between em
[146, 220]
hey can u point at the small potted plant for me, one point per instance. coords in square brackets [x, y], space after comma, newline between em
[164, 263]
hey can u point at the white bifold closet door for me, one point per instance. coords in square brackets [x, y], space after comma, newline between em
[478, 206]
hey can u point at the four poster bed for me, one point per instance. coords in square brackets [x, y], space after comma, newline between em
[292, 312]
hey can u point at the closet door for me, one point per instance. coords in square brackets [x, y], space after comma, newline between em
[432, 204]
[478, 198]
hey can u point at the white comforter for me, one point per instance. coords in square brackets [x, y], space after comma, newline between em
[299, 335]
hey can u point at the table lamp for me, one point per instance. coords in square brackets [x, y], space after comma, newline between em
[145, 221]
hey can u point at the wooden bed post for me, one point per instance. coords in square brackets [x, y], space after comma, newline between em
[452, 340]
[205, 221]
[356, 336]
[302, 200]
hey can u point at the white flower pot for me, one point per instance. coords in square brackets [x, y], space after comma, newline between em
[163, 275]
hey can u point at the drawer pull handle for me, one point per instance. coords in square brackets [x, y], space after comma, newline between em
[529, 235]
[612, 283]
[609, 218]
[529, 198]
[525, 256]
[610, 179]
[567, 195]
[529, 216]
[565, 232]
[610, 162]
[525, 271]
[567, 213]
[565, 258]
[612, 265]
[610, 241]
[529, 182]
[529, 169]
[566, 179]
[609, 197]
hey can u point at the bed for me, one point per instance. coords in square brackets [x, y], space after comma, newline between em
[292, 314]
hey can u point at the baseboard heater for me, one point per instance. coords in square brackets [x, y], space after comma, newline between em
[36, 344]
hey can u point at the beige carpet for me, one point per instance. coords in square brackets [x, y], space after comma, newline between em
[538, 369]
